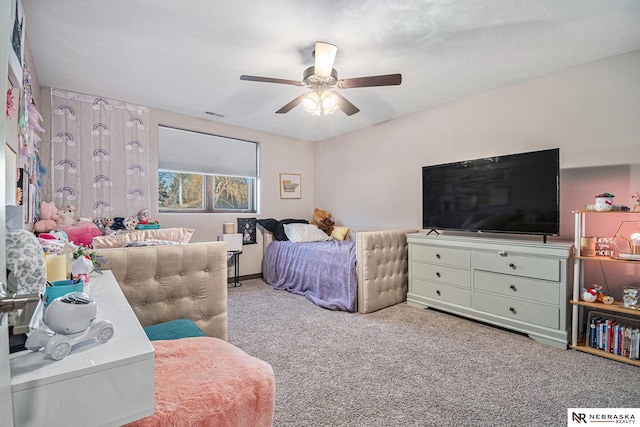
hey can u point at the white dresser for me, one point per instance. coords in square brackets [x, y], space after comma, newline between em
[517, 284]
[98, 384]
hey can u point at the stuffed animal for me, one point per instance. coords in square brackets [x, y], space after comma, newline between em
[100, 223]
[118, 223]
[108, 227]
[144, 216]
[67, 215]
[130, 223]
[48, 218]
[323, 220]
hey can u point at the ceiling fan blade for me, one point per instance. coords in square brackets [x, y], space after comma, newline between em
[271, 80]
[383, 80]
[290, 106]
[325, 54]
[347, 107]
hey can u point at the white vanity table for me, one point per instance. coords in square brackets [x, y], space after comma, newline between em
[98, 384]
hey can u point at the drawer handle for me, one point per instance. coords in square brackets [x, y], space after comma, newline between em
[513, 310]
[438, 274]
[438, 256]
[512, 265]
[513, 288]
[438, 293]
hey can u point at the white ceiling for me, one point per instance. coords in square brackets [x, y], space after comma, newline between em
[187, 56]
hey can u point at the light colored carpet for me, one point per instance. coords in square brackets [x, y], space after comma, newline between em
[404, 366]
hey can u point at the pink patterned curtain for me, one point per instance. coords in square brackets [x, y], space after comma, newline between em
[100, 155]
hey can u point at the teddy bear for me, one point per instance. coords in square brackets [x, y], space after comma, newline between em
[67, 215]
[118, 223]
[322, 219]
[48, 218]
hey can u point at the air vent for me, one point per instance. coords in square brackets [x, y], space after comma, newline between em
[211, 113]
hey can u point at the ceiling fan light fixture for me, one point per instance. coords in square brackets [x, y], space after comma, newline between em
[320, 104]
[329, 101]
[311, 102]
[321, 78]
[325, 55]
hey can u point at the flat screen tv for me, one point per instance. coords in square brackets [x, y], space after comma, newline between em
[516, 193]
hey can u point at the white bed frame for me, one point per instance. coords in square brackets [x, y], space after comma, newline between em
[381, 266]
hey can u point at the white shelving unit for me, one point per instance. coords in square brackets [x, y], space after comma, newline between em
[577, 318]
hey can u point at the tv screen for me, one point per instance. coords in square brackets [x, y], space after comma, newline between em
[516, 193]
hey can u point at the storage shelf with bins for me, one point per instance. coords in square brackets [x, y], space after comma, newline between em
[578, 263]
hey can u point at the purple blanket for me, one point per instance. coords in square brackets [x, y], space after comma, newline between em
[324, 272]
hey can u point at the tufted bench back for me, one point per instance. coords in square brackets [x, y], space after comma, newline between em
[164, 283]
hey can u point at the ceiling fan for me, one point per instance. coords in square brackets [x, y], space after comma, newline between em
[322, 78]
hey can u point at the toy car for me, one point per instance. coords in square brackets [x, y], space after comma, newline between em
[71, 319]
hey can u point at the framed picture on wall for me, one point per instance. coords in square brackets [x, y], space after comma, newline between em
[16, 46]
[289, 186]
[247, 227]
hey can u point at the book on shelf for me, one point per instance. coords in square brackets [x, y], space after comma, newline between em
[614, 334]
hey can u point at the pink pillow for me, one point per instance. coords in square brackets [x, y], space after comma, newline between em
[82, 233]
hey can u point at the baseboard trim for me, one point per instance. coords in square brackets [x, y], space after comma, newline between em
[247, 277]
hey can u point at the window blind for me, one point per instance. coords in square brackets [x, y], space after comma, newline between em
[187, 151]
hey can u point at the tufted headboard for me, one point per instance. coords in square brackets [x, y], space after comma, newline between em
[382, 268]
[164, 283]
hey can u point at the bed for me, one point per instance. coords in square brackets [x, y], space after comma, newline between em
[365, 272]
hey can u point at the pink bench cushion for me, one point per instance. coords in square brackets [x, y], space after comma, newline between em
[205, 381]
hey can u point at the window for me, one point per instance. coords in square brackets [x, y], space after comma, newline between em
[205, 173]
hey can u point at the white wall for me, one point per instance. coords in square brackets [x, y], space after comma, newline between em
[372, 177]
[277, 155]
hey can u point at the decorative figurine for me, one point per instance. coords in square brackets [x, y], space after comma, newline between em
[71, 319]
[589, 295]
[630, 298]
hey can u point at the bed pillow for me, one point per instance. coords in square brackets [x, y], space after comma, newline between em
[277, 227]
[303, 233]
[179, 235]
[339, 233]
[173, 330]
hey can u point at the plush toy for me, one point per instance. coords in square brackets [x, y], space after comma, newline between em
[130, 223]
[108, 227]
[48, 218]
[118, 223]
[67, 215]
[99, 222]
[322, 219]
[144, 216]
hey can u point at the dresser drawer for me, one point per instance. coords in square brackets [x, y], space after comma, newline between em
[441, 273]
[523, 311]
[525, 266]
[440, 255]
[442, 292]
[519, 287]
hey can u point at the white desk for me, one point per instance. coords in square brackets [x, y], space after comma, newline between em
[98, 384]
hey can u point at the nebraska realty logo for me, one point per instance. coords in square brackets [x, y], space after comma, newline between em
[582, 416]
